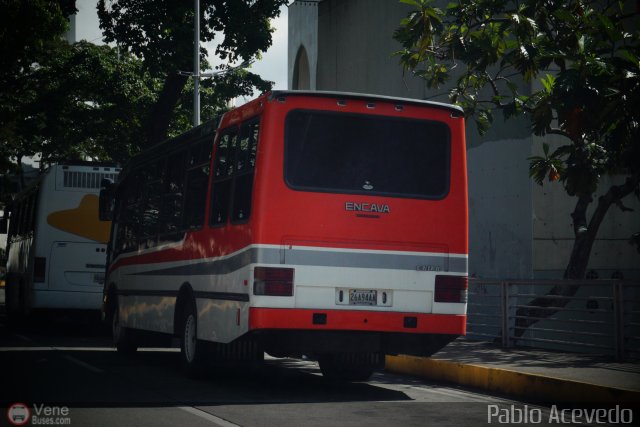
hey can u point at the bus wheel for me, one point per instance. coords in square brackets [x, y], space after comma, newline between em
[123, 337]
[191, 349]
[348, 367]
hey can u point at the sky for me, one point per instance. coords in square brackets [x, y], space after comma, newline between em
[273, 65]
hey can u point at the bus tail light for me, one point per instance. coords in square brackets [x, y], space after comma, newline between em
[272, 281]
[451, 289]
[39, 269]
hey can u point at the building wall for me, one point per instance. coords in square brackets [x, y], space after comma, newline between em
[303, 35]
[500, 233]
[85, 25]
[355, 47]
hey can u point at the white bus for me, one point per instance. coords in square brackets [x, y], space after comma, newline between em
[56, 244]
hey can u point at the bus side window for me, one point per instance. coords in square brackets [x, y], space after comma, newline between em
[151, 196]
[196, 186]
[245, 164]
[116, 237]
[130, 211]
[172, 207]
[223, 166]
[221, 189]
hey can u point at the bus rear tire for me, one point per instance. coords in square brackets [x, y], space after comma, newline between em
[347, 367]
[192, 350]
[123, 337]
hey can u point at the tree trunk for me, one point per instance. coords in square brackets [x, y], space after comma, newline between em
[585, 234]
[579, 261]
[157, 126]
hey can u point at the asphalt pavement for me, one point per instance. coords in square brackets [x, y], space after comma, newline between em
[61, 367]
[67, 364]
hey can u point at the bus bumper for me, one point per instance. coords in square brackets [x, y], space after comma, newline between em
[66, 299]
[357, 320]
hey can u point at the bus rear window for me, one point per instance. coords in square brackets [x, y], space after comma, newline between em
[367, 154]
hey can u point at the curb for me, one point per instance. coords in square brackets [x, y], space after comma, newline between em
[512, 383]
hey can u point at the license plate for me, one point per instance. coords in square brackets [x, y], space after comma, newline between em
[366, 297]
[363, 297]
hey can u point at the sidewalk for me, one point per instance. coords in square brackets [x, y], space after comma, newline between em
[539, 375]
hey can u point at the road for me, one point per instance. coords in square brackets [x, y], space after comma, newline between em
[66, 366]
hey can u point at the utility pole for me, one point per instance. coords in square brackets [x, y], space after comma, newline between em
[196, 74]
[196, 65]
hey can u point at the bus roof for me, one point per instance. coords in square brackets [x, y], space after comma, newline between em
[369, 97]
[203, 130]
[210, 127]
[35, 182]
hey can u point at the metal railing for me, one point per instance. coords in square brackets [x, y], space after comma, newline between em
[593, 316]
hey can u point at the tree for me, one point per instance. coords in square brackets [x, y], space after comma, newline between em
[62, 101]
[88, 101]
[586, 56]
[161, 34]
[79, 101]
[28, 31]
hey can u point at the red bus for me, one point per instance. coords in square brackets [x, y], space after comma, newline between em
[330, 225]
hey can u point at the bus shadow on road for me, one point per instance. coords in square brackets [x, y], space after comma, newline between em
[100, 377]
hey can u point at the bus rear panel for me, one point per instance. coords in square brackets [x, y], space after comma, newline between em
[362, 204]
[57, 244]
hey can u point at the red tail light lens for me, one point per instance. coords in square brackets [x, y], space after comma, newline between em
[451, 289]
[271, 281]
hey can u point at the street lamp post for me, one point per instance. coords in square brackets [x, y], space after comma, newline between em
[196, 65]
[196, 74]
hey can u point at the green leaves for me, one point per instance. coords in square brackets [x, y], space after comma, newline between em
[550, 166]
[161, 35]
[27, 30]
[418, 35]
[90, 102]
[548, 82]
[572, 68]
[81, 100]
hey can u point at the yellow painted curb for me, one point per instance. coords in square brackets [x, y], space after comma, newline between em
[511, 383]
